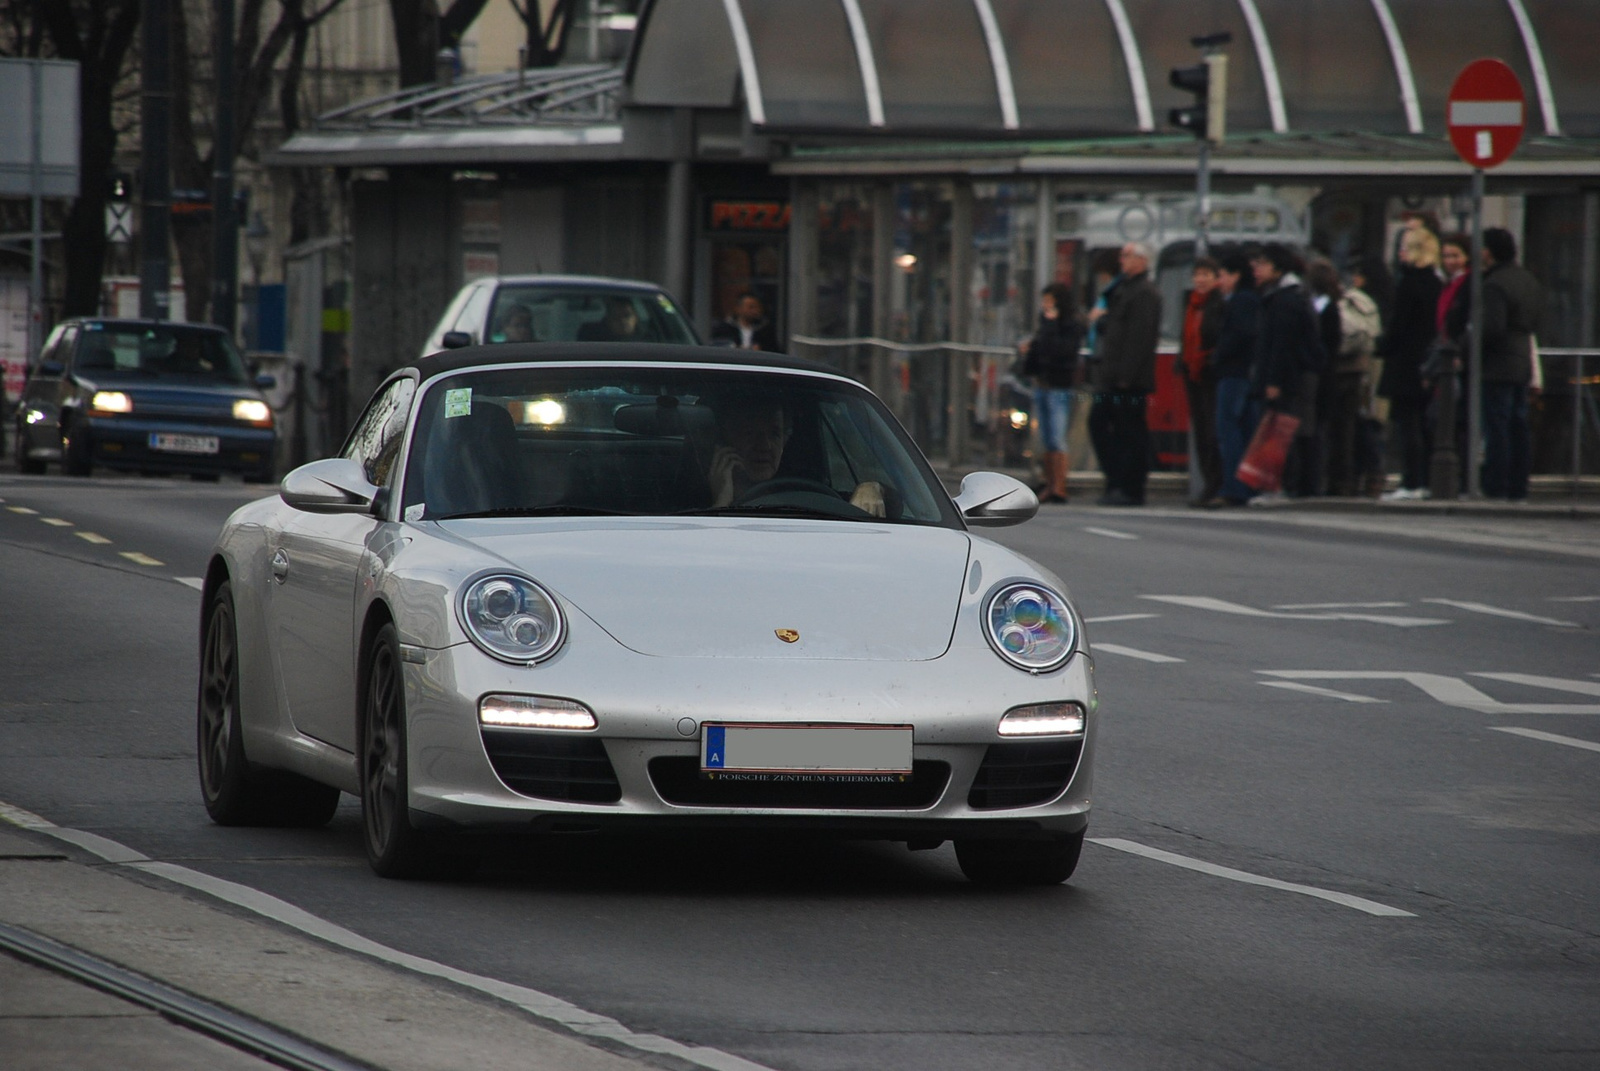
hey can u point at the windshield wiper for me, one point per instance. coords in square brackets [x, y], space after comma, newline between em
[562, 510]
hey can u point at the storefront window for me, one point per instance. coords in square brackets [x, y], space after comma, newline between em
[844, 260]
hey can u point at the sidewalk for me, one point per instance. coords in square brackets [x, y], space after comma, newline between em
[345, 1011]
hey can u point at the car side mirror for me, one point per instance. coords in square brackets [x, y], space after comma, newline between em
[995, 500]
[332, 485]
[454, 340]
[264, 381]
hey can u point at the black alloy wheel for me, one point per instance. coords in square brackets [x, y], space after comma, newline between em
[395, 848]
[236, 792]
[26, 465]
[1048, 861]
[75, 456]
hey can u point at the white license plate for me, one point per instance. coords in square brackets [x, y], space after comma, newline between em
[805, 749]
[184, 444]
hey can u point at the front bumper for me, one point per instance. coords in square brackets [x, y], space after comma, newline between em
[125, 443]
[640, 767]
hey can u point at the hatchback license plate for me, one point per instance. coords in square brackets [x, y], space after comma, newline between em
[831, 750]
[184, 444]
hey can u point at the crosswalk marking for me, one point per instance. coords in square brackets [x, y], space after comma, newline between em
[1451, 691]
[1133, 652]
[1223, 606]
[1497, 611]
[1550, 738]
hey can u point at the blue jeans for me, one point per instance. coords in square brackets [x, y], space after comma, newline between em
[1055, 413]
[1506, 445]
[1236, 422]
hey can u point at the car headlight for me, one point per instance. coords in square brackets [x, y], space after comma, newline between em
[111, 401]
[252, 411]
[511, 618]
[1030, 626]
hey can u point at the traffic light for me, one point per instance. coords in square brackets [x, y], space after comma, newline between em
[1208, 81]
[120, 188]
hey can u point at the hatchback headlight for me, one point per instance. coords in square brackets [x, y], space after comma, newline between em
[512, 618]
[252, 411]
[1030, 626]
[111, 401]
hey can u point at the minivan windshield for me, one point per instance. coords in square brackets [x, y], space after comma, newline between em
[166, 352]
[585, 314]
[651, 441]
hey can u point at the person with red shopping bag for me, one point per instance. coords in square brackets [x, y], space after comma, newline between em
[1289, 354]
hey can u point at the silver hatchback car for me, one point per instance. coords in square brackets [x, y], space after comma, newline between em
[597, 586]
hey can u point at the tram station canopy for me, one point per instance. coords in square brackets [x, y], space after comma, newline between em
[856, 73]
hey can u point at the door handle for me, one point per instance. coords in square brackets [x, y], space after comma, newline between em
[280, 565]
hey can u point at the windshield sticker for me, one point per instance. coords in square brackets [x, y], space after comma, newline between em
[414, 513]
[664, 301]
[458, 402]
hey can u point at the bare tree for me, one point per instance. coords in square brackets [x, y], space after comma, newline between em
[421, 30]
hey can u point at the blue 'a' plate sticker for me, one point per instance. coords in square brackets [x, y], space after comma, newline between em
[716, 747]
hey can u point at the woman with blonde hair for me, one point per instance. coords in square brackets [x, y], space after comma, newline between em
[1409, 333]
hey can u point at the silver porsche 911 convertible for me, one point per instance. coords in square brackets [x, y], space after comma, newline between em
[571, 587]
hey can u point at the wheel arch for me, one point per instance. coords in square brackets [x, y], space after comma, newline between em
[379, 614]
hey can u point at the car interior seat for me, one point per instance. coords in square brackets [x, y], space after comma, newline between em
[473, 463]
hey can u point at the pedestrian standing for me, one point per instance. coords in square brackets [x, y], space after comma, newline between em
[1129, 329]
[1512, 300]
[1358, 327]
[1370, 277]
[1231, 358]
[1407, 341]
[1311, 462]
[1202, 321]
[1289, 349]
[1051, 361]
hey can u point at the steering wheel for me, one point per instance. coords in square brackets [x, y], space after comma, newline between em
[780, 484]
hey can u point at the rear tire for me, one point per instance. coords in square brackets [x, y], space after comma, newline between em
[1020, 862]
[236, 791]
[395, 848]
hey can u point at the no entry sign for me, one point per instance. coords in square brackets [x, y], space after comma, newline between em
[1486, 113]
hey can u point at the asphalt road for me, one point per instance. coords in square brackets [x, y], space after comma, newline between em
[1432, 895]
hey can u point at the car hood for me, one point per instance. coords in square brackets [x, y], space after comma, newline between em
[724, 588]
[151, 396]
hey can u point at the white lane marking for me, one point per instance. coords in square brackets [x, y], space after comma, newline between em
[1338, 606]
[56, 522]
[1328, 693]
[24, 510]
[1132, 652]
[1575, 598]
[195, 582]
[1496, 611]
[539, 1005]
[1451, 691]
[1553, 738]
[1371, 907]
[1117, 617]
[137, 558]
[1110, 533]
[92, 537]
[1223, 606]
[1560, 684]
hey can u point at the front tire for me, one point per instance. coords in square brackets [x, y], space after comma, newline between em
[1047, 861]
[236, 791]
[25, 464]
[395, 848]
[75, 450]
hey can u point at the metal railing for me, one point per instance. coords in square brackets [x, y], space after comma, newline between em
[927, 384]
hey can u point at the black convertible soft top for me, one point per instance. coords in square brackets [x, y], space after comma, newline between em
[524, 352]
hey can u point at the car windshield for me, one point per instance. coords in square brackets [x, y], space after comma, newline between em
[585, 314]
[168, 353]
[652, 441]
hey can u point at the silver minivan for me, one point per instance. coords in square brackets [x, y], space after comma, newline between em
[559, 308]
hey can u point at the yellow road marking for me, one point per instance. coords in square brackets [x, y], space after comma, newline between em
[91, 537]
[139, 559]
[23, 510]
[56, 522]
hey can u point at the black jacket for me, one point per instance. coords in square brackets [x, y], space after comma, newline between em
[727, 332]
[1236, 342]
[1409, 332]
[1289, 344]
[1512, 299]
[1053, 353]
[1129, 333]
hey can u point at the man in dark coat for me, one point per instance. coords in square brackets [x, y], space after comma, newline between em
[1231, 359]
[1289, 352]
[1512, 299]
[1129, 329]
[746, 329]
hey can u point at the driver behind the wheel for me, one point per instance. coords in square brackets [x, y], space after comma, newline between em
[752, 434]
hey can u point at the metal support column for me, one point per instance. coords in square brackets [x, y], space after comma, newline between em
[36, 188]
[802, 301]
[958, 381]
[1475, 344]
[883, 221]
[1044, 242]
[155, 115]
[224, 227]
[679, 196]
[1589, 287]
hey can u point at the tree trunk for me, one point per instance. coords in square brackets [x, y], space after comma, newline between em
[416, 39]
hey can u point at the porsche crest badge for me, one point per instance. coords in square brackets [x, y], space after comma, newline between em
[787, 635]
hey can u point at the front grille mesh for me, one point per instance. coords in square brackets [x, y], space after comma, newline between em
[1023, 774]
[678, 780]
[553, 766]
